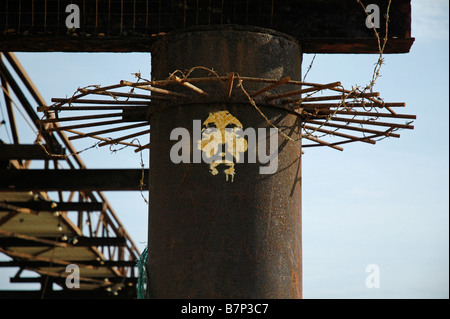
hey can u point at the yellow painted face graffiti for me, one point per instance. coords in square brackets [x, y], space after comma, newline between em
[221, 139]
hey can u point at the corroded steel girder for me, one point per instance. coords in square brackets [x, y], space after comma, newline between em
[322, 26]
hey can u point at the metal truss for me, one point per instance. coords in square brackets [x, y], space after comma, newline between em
[45, 231]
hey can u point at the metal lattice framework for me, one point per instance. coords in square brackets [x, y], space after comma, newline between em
[329, 114]
[44, 229]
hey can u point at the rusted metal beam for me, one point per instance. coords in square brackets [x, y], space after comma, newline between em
[48, 138]
[109, 27]
[45, 264]
[127, 292]
[9, 108]
[356, 45]
[8, 217]
[13, 208]
[21, 240]
[73, 180]
[50, 206]
[143, 44]
[120, 280]
[27, 152]
[51, 141]
[26, 256]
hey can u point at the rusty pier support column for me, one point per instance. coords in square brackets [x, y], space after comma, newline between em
[225, 234]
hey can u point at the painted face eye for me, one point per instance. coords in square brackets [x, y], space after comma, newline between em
[231, 125]
[209, 128]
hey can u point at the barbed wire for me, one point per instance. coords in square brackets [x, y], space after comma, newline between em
[355, 92]
[376, 72]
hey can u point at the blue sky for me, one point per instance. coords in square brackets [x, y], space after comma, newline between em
[386, 204]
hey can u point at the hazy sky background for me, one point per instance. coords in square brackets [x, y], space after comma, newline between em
[386, 204]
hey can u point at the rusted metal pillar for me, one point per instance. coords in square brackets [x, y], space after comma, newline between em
[219, 235]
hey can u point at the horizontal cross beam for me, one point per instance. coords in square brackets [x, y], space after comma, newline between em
[40, 279]
[144, 44]
[128, 292]
[47, 241]
[44, 264]
[48, 206]
[332, 26]
[27, 152]
[74, 180]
